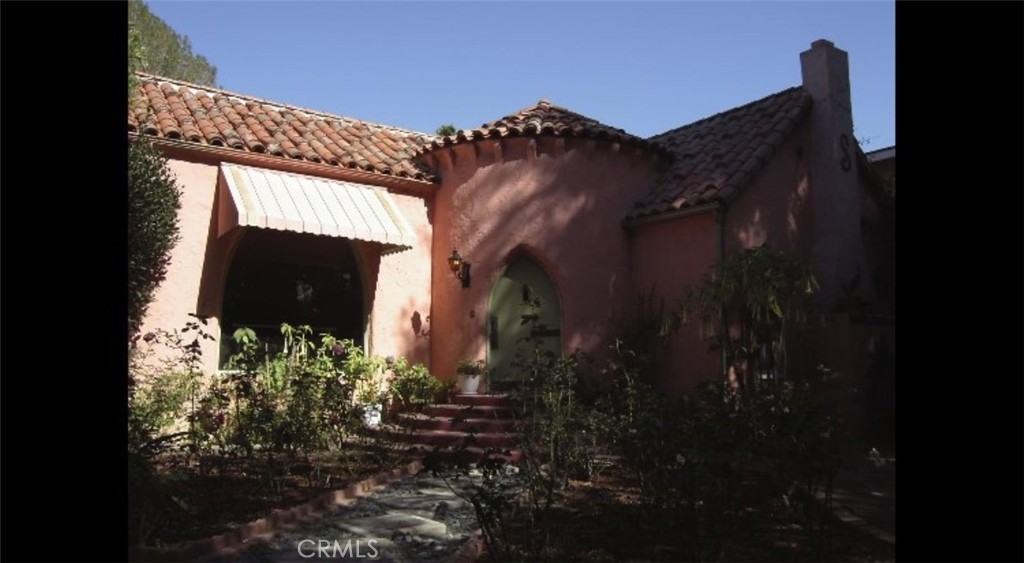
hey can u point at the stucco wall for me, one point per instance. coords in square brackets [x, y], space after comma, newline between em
[396, 286]
[179, 294]
[400, 312]
[775, 208]
[668, 256]
[886, 169]
[559, 200]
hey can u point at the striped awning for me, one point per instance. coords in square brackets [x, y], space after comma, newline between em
[257, 197]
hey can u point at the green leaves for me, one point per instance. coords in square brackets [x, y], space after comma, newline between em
[160, 50]
[755, 291]
[415, 384]
[154, 199]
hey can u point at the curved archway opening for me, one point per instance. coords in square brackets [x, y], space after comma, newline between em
[296, 278]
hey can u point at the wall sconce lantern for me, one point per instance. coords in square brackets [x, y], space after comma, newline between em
[459, 267]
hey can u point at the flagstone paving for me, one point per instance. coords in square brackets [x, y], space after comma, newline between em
[417, 518]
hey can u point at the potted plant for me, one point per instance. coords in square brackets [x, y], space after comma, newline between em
[369, 378]
[469, 374]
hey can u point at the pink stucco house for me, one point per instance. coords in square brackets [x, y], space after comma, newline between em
[295, 215]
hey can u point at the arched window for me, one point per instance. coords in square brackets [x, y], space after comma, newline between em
[296, 278]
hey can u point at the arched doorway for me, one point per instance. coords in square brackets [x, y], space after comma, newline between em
[524, 311]
[296, 278]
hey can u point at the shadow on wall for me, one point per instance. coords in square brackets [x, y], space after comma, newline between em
[775, 207]
[568, 209]
[412, 336]
[418, 328]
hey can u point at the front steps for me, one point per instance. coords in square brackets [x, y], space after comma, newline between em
[479, 422]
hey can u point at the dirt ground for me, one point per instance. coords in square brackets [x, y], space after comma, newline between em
[222, 493]
[603, 520]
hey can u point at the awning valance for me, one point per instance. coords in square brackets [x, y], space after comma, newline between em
[257, 197]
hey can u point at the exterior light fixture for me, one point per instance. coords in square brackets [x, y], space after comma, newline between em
[459, 267]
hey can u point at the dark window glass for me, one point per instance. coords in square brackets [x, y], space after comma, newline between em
[296, 278]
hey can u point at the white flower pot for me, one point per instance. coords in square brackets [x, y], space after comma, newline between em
[468, 384]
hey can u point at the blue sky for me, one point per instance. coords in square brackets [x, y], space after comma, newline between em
[643, 66]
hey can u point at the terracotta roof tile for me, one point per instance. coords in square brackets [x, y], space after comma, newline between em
[543, 118]
[716, 156]
[207, 116]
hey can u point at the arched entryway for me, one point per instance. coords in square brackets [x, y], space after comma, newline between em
[524, 304]
[296, 278]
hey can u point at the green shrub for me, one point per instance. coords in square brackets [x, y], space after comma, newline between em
[756, 293]
[154, 199]
[703, 460]
[555, 437]
[158, 400]
[415, 385]
[470, 367]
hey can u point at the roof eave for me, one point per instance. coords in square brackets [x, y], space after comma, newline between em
[175, 147]
[672, 215]
[463, 139]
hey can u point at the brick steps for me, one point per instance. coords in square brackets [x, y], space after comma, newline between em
[470, 411]
[465, 427]
[426, 422]
[482, 400]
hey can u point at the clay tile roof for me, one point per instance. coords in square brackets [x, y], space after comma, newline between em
[187, 112]
[717, 156]
[544, 119]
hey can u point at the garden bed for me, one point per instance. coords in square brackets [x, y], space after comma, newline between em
[219, 493]
[604, 520]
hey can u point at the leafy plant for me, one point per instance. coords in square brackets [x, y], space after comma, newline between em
[415, 385]
[166, 52]
[277, 411]
[471, 367]
[158, 399]
[706, 462]
[367, 374]
[744, 304]
[446, 130]
[154, 199]
[553, 437]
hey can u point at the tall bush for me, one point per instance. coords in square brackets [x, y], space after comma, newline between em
[706, 463]
[744, 305]
[154, 199]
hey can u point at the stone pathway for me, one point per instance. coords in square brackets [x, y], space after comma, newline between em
[864, 497]
[417, 518]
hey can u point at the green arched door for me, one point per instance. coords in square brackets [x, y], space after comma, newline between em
[524, 312]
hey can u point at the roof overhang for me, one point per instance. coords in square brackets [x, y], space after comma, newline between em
[881, 154]
[270, 199]
[663, 216]
[193, 152]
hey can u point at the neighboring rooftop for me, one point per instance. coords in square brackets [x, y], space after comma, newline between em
[181, 111]
[881, 154]
[543, 118]
[717, 156]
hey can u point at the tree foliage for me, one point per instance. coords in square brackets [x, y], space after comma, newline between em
[446, 130]
[154, 199]
[755, 291]
[165, 52]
